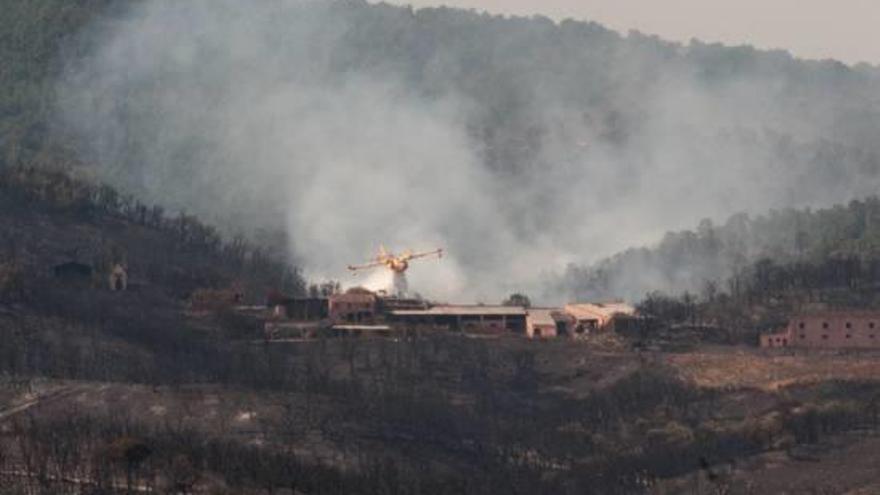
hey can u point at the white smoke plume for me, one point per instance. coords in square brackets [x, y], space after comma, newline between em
[263, 116]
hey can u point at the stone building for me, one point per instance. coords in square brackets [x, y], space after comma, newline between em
[354, 306]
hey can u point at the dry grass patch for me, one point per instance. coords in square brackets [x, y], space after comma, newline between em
[771, 371]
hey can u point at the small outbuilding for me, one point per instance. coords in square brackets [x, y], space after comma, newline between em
[592, 317]
[118, 279]
[541, 323]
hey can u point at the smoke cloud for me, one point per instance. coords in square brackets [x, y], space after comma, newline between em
[519, 146]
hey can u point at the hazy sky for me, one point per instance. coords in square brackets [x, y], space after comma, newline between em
[843, 29]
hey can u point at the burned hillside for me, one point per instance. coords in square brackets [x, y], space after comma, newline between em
[140, 392]
[57, 227]
[155, 337]
[63, 239]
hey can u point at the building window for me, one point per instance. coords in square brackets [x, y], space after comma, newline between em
[848, 336]
[824, 324]
[801, 325]
[803, 336]
[848, 325]
[824, 337]
[871, 325]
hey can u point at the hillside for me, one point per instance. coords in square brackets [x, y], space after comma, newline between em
[129, 390]
[178, 138]
[827, 248]
[552, 131]
[33, 39]
[56, 320]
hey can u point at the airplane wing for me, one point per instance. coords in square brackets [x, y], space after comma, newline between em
[437, 252]
[365, 266]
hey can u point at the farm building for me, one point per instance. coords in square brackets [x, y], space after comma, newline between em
[833, 330]
[468, 319]
[392, 303]
[353, 306]
[543, 323]
[359, 312]
[591, 317]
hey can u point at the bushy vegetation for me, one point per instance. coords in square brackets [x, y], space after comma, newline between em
[748, 275]
[786, 249]
[43, 208]
[439, 415]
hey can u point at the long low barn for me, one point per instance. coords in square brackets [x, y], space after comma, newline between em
[468, 319]
[830, 329]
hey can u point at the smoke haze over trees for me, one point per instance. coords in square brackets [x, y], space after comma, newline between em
[521, 145]
[831, 247]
